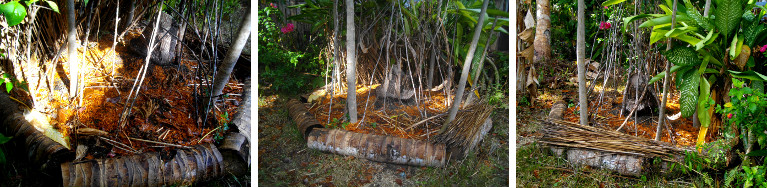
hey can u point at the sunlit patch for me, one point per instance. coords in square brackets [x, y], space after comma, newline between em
[41, 122]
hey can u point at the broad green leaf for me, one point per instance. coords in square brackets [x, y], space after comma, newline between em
[4, 139]
[751, 75]
[702, 43]
[656, 35]
[14, 12]
[53, 6]
[666, 9]
[752, 31]
[727, 16]
[684, 56]
[663, 20]
[655, 78]
[703, 105]
[694, 15]
[689, 39]
[628, 20]
[612, 2]
[689, 94]
[736, 46]
[677, 31]
[8, 86]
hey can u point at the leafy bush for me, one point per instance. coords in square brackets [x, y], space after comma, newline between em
[746, 110]
[281, 63]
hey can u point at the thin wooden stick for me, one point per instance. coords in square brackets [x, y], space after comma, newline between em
[115, 143]
[161, 143]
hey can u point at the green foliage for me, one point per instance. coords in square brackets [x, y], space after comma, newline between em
[335, 124]
[746, 110]
[281, 63]
[14, 12]
[11, 81]
[682, 56]
[224, 123]
[3, 139]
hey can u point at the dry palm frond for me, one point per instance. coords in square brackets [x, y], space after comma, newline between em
[465, 131]
[568, 134]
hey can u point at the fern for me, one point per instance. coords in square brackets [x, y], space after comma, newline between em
[730, 176]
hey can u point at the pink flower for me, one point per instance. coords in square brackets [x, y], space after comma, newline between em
[764, 48]
[605, 7]
[288, 28]
[605, 25]
[729, 116]
[272, 5]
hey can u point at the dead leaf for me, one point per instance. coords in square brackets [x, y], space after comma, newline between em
[527, 35]
[529, 20]
[527, 53]
[399, 182]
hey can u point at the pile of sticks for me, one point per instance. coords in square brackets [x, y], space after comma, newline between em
[573, 135]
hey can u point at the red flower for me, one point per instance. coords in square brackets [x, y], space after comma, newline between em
[605, 25]
[288, 28]
[605, 7]
[272, 5]
[729, 116]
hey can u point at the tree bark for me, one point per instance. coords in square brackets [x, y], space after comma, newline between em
[72, 49]
[542, 41]
[225, 70]
[351, 63]
[466, 67]
[131, 13]
[581, 53]
[662, 111]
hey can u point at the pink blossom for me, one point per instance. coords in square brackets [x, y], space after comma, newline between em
[764, 48]
[288, 28]
[605, 25]
[605, 7]
[272, 5]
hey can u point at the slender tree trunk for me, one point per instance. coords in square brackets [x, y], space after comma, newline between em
[662, 111]
[351, 63]
[466, 68]
[581, 53]
[225, 70]
[72, 49]
[542, 41]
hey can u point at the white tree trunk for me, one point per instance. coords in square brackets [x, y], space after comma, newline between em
[351, 63]
[225, 70]
[466, 67]
[581, 53]
[72, 51]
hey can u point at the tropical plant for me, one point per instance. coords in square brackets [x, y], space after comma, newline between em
[710, 48]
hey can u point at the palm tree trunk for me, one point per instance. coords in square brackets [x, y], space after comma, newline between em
[466, 67]
[225, 70]
[351, 63]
